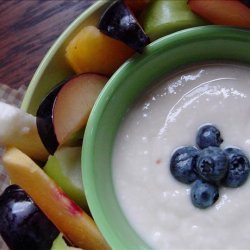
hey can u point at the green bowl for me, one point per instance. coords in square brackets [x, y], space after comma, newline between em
[182, 48]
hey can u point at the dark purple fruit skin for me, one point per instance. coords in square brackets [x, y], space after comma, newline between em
[23, 225]
[119, 23]
[246, 2]
[44, 120]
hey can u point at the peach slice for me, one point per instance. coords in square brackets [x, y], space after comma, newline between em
[223, 12]
[71, 220]
[92, 51]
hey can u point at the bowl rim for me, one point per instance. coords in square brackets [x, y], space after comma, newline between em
[171, 41]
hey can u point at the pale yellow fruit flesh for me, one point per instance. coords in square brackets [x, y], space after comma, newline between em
[71, 220]
[73, 104]
[18, 129]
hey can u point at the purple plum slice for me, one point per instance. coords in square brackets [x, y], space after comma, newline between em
[119, 23]
[44, 120]
[23, 224]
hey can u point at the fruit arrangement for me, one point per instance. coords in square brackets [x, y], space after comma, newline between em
[43, 152]
[207, 166]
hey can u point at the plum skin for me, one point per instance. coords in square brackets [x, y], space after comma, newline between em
[119, 23]
[44, 120]
[23, 224]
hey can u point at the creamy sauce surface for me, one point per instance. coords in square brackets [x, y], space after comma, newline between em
[166, 117]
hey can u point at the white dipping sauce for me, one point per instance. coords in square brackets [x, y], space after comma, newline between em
[167, 117]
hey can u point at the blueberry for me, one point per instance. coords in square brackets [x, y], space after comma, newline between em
[23, 225]
[204, 194]
[238, 168]
[212, 164]
[182, 164]
[208, 135]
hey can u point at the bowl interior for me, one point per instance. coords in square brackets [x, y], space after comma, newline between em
[161, 57]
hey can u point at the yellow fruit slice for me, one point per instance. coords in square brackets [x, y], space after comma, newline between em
[72, 221]
[93, 52]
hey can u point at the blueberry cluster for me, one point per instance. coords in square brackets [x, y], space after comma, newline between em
[207, 166]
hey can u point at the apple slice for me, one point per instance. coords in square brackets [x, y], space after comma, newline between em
[64, 167]
[63, 114]
[71, 220]
[60, 244]
[165, 17]
[222, 12]
[19, 129]
[119, 23]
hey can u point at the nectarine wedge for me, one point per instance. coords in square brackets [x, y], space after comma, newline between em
[64, 167]
[223, 12]
[70, 219]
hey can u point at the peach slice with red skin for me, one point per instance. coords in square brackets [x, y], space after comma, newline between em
[222, 12]
[76, 225]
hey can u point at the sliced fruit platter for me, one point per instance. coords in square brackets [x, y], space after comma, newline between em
[43, 139]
